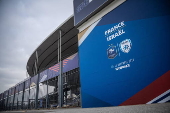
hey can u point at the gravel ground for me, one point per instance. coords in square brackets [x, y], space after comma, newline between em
[151, 108]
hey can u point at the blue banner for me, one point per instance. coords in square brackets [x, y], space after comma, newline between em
[53, 71]
[43, 76]
[83, 8]
[34, 81]
[5, 94]
[16, 88]
[70, 63]
[12, 90]
[21, 86]
[27, 83]
[127, 50]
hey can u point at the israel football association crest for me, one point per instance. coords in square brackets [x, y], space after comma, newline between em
[125, 45]
[112, 52]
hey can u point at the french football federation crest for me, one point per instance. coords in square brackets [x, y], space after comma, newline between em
[125, 45]
[112, 52]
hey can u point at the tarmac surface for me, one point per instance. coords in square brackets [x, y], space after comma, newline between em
[151, 108]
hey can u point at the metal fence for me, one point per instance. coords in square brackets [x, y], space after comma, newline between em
[41, 91]
[47, 94]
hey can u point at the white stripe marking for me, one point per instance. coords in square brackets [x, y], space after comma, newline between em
[150, 102]
[88, 32]
[165, 100]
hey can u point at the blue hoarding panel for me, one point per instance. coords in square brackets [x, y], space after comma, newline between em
[70, 63]
[34, 80]
[83, 8]
[123, 55]
[43, 76]
[54, 71]
[12, 91]
[21, 86]
[16, 88]
[5, 94]
[27, 83]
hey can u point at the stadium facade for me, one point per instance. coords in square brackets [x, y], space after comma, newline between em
[110, 53]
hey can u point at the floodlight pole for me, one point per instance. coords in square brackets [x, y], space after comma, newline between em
[60, 78]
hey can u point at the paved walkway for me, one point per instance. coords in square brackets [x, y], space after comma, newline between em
[152, 108]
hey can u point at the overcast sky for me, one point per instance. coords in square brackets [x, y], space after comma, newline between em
[24, 24]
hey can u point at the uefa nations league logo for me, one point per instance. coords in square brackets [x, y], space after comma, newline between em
[112, 52]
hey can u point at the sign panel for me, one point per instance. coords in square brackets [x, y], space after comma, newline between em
[27, 83]
[70, 63]
[125, 57]
[21, 86]
[43, 76]
[83, 8]
[16, 88]
[34, 81]
[6, 93]
[12, 90]
[54, 71]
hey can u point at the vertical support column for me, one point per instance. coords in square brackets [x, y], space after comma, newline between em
[47, 96]
[37, 92]
[65, 86]
[7, 100]
[60, 87]
[60, 78]
[17, 100]
[28, 107]
[3, 102]
[23, 90]
[37, 88]
[13, 99]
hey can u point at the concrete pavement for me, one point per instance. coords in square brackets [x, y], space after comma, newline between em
[151, 108]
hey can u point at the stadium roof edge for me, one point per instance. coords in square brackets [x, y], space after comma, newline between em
[47, 49]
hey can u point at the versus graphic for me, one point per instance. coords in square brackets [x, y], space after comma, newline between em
[125, 46]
